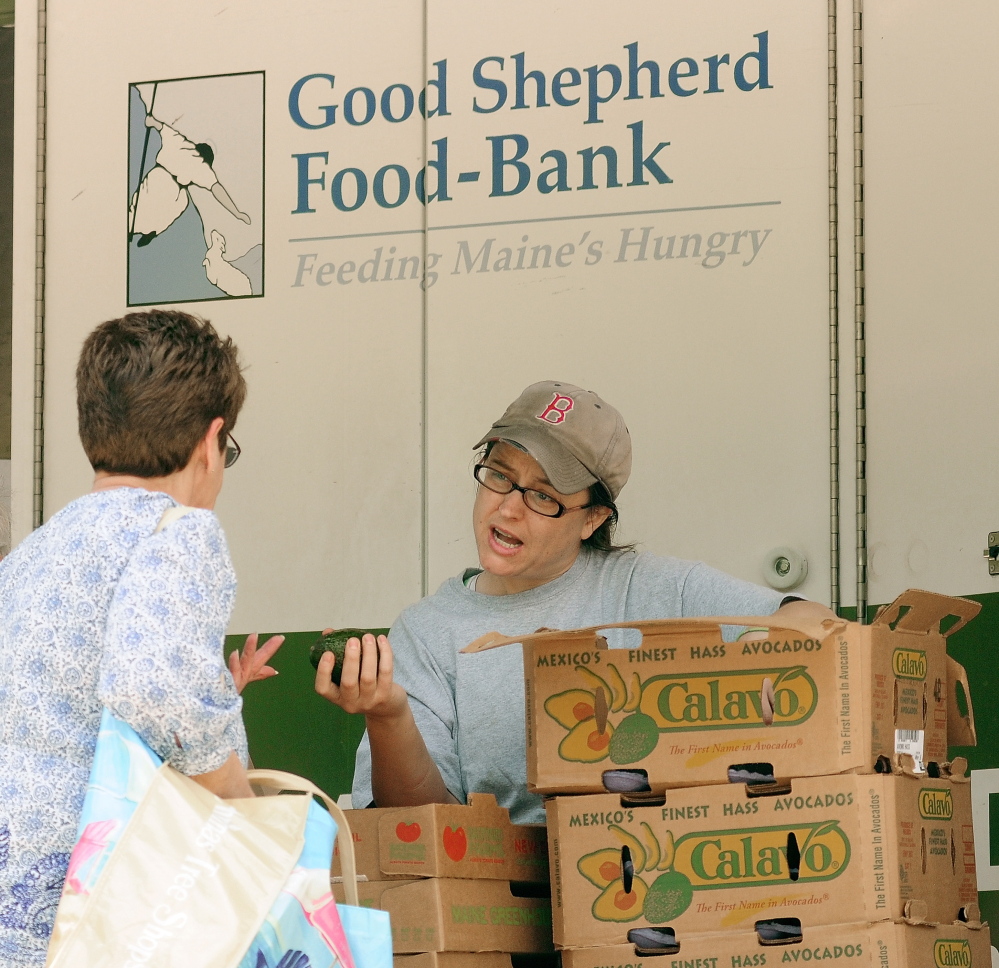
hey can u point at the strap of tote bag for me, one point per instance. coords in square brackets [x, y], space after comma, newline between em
[171, 514]
[277, 780]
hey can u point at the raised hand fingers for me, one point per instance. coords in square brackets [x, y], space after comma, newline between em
[250, 645]
[268, 649]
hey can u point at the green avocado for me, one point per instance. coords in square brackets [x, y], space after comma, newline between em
[669, 896]
[336, 642]
[635, 737]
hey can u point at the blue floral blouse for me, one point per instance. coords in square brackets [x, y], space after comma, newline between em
[96, 610]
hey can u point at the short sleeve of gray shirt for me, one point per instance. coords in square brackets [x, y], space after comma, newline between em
[470, 708]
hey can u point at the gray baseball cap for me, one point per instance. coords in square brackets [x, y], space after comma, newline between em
[576, 437]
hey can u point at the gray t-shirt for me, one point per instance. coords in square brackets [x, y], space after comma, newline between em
[470, 708]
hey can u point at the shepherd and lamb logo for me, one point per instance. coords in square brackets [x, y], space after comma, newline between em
[196, 189]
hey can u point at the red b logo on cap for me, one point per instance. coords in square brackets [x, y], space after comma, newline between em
[555, 412]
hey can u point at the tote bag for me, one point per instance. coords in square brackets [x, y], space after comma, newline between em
[167, 875]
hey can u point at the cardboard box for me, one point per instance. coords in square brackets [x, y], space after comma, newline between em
[882, 945]
[685, 706]
[364, 833]
[431, 914]
[447, 840]
[474, 959]
[369, 893]
[715, 858]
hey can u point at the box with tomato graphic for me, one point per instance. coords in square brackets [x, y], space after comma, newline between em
[676, 701]
[885, 944]
[829, 850]
[461, 915]
[448, 840]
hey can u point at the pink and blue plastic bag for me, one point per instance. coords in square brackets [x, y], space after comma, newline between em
[304, 927]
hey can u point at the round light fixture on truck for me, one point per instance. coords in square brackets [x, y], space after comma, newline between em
[784, 568]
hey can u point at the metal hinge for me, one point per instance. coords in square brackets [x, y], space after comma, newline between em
[992, 553]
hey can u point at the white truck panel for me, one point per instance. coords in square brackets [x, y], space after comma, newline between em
[931, 206]
[720, 367]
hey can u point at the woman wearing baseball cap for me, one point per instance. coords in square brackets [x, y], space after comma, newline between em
[441, 724]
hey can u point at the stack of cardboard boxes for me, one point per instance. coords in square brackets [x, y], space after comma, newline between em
[770, 800]
[456, 880]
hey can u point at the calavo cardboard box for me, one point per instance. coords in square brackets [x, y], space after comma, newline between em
[686, 706]
[832, 850]
[882, 945]
[447, 840]
[459, 914]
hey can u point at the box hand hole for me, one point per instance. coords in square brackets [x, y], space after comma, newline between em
[621, 638]
[882, 765]
[633, 785]
[654, 941]
[650, 799]
[751, 773]
[626, 781]
[793, 856]
[775, 931]
[947, 623]
[922, 847]
[627, 869]
[961, 698]
[759, 779]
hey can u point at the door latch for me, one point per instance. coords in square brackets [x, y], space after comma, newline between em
[992, 553]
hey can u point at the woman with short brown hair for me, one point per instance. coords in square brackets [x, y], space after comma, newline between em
[122, 600]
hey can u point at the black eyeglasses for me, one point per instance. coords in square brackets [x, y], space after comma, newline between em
[537, 501]
[232, 450]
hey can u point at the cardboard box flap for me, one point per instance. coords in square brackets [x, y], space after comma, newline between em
[960, 729]
[862, 944]
[665, 626]
[922, 612]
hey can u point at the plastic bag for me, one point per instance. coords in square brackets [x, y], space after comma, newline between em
[166, 875]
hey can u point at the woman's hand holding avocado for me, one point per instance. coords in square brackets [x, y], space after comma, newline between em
[403, 774]
[366, 685]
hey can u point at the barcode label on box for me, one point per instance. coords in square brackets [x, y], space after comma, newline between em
[911, 741]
